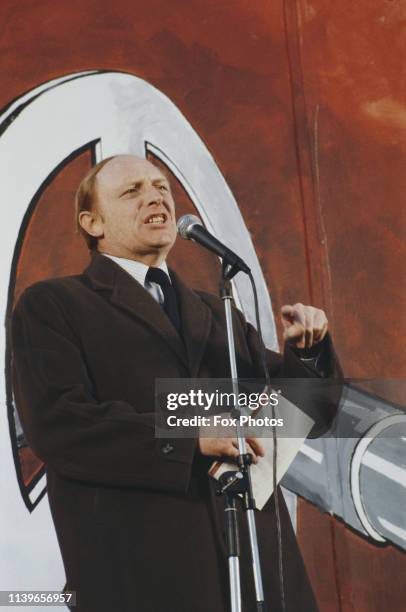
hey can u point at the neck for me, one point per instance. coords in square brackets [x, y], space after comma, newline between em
[149, 259]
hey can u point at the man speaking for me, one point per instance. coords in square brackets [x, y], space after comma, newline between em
[138, 523]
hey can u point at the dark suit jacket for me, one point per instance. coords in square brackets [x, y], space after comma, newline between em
[139, 527]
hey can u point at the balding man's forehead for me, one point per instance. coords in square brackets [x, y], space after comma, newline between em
[126, 168]
[128, 163]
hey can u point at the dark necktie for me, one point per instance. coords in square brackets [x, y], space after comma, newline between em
[170, 305]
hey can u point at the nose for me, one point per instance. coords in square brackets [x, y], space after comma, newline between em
[155, 196]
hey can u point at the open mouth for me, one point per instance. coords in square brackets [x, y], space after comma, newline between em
[156, 219]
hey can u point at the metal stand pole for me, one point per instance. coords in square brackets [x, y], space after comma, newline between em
[238, 482]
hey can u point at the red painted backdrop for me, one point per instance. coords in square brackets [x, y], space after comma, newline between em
[302, 105]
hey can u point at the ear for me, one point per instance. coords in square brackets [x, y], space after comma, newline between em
[92, 223]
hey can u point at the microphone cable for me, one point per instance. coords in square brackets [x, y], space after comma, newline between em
[275, 446]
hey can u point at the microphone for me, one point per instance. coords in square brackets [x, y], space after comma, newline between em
[191, 228]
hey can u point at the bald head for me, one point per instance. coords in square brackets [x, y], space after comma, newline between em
[123, 168]
[132, 213]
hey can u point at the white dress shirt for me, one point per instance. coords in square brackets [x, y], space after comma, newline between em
[138, 271]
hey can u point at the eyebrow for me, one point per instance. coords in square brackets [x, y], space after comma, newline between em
[161, 179]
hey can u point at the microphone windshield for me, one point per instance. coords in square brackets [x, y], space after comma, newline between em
[185, 224]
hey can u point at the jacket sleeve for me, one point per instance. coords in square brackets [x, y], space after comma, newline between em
[75, 435]
[319, 401]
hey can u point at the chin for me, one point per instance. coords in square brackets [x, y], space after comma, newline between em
[158, 247]
[162, 242]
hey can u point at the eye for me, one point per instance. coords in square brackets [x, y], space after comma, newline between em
[163, 187]
[132, 190]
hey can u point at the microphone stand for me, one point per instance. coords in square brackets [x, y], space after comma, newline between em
[234, 483]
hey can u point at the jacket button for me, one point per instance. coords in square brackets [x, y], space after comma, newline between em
[168, 448]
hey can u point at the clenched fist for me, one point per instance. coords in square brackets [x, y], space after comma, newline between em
[304, 326]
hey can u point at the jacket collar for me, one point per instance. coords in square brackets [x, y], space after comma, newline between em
[127, 294]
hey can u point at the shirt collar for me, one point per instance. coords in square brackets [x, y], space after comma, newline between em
[136, 269]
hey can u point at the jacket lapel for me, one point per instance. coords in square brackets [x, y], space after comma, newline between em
[196, 322]
[127, 294]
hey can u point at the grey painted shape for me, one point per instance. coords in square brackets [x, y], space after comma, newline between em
[321, 471]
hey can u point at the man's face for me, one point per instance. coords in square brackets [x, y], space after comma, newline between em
[136, 208]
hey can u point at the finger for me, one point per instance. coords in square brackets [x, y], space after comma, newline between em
[324, 332]
[230, 448]
[294, 322]
[300, 319]
[248, 449]
[257, 446]
[309, 333]
[295, 334]
[291, 314]
[320, 325]
[251, 452]
[287, 315]
[299, 313]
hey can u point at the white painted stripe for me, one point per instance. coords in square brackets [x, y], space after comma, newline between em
[37, 490]
[312, 453]
[398, 531]
[387, 468]
[40, 89]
